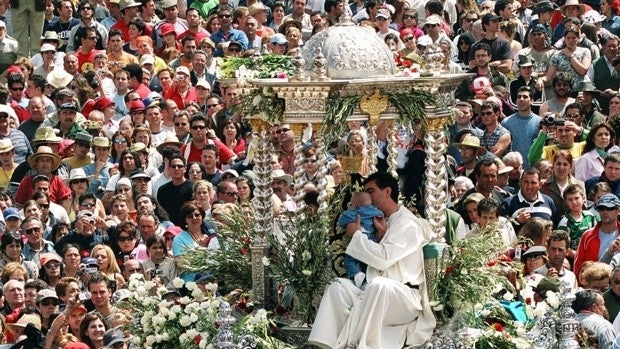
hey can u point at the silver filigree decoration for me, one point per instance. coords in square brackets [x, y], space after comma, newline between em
[436, 182]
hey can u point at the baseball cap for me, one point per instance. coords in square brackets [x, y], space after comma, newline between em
[609, 201]
[383, 13]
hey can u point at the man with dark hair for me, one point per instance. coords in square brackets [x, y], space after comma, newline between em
[101, 295]
[350, 316]
[188, 45]
[557, 250]
[562, 84]
[605, 75]
[590, 310]
[63, 24]
[134, 76]
[210, 160]
[17, 85]
[334, 9]
[501, 53]
[496, 138]
[87, 20]
[524, 124]
[486, 180]
[193, 150]
[227, 33]
[484, 78]
[87, 51]
[116, 55]
[178, 190]
[529, 201]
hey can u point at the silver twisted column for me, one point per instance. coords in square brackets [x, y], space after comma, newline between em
[436, 188]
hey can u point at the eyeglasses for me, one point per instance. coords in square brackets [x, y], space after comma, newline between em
[278, 131]
[198, 127]
[17, 88]
[33, 230]
[408, 39]
[124, 238]
[209, 106]
[195, 171]
[179, 124]
[224, 16]
[605, 208]
[232, 194]
[120, 141]
[486, 113]
[86, 8]
[81, 180]
[234, 50]
[177, 167]
[50, 266]
[471, 20]
[572, 115]
[87, 204]
[47, 302]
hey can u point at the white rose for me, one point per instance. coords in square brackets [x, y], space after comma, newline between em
[266, 261]
[191, 285]
[185, 300]
[150, 340]
[306, 272]
[185, 321]
[485, 312]
[508, 296]
[166, 336]
[193, 317]
[136, 340]
[553, 299]
[178, 282]
[176, 309]
[306, 255]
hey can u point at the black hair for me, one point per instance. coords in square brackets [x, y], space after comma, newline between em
[384, 180]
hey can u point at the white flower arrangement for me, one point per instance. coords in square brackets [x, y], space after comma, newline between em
[190, 321]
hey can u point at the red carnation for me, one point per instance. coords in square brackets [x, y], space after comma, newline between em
[498, 327]
[449, 270]
[197, 339]
[492, 263]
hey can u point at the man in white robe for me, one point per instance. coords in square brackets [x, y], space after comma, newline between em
[393, 310]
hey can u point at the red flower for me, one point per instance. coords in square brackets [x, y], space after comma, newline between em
[243, 251]
[491, 263]
[449, 270]
[528, 301]
[498, 327]
[197, 339]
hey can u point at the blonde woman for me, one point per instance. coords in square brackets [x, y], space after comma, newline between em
[107, 263]
[204, 193]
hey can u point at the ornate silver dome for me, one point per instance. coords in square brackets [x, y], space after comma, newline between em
[351, 52]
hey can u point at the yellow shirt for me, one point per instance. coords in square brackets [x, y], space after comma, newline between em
[5, 177]
[550, 150]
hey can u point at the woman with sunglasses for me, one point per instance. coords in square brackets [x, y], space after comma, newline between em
[52, 269]
[120, 142]
[193, 236]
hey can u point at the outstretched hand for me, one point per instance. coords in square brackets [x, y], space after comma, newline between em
[353, 227]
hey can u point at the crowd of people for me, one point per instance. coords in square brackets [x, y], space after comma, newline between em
[120, 150]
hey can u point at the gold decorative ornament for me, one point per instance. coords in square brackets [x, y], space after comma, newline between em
[374, 105]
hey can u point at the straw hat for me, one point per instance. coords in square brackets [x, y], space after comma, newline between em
[101, 142]
[6, 145]
[44, 151]
[59, 78]
[77, 173]
[471, 141]
[170, 141]
[582, 8]
[26, 319]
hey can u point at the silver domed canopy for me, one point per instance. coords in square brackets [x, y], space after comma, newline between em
[351, 52]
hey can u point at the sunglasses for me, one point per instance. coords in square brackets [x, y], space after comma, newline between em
[33, 230]
[282, 130]
[485, 113]
[81, 180]
[120, 141]
[572, 116]
[195, 171]
[408, 39]
[198, 127]
[83, 144]
[605, 208]
[224, 16]
[125, 238]
[431, 25]
[50, 266]
[47, 302]
[17, 88]
[308, 161]
[86, 8]
[209, 106]
[177, 167]
[45, 206]
[409, 17]
[234, 50]
[471, 20]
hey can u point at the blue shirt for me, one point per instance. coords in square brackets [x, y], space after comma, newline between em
[524, 130]
[233, 35]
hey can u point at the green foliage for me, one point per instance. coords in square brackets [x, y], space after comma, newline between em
[268, 66]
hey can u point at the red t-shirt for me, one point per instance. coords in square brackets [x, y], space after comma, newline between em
[59, 191]
[85, 60]
[195, 155]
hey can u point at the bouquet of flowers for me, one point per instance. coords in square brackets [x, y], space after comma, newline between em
[263, 67]
[188, 322]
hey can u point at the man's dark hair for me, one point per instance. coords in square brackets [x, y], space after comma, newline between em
[329, 4]
[434, 7]
[561, 77]
[186, 39]
[490, 105]
[525, 89]
[369, 4]
[482, 46]
[486, 162]
[40, 178]
[530, 172]
[37, 81]
[98, 277]
[212, 147]
[612, 157]
[178, 156]
[384, 180]
[114, 32]
[87, 196]
[487, 205]
[86, 31]
[560, 235]
[134, 71]
[573, 106]
[197, 117]
[585, 299]
[500, 5]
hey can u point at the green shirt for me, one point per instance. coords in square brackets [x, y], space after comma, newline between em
[576, 228]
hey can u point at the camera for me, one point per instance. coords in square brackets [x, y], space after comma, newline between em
[84, 296]
[155, 272]
[549, 120]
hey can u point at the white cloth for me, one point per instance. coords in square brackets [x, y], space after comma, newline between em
[387, 313]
